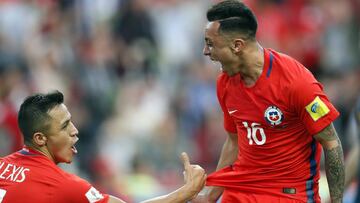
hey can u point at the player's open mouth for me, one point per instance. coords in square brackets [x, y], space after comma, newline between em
[73, 149]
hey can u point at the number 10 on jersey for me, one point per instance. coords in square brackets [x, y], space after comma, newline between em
[252, 132]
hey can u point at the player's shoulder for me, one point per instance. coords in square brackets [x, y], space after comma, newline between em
[73, 184]
[77, 189]
[280, 55]
[72, 179]
[285, 60]
[222, 78]
[290, 69]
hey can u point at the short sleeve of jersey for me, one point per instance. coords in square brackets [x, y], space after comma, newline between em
[77, 190]
[229, 124]
[311, 103]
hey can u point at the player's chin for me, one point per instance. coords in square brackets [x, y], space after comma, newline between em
[64, 159]
[225, 68]
[68, 158]
[214, 60]
[68, 162]
[218, 64]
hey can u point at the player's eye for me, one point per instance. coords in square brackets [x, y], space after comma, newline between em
[65, 125]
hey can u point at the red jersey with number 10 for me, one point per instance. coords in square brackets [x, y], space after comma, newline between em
[29, 176]
[275, 121]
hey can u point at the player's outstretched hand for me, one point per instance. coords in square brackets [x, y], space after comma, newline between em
[194, 176]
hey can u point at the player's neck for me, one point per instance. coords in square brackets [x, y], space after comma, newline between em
[253, 64]
[42, 150]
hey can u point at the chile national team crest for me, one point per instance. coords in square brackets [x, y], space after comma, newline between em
[273, 115]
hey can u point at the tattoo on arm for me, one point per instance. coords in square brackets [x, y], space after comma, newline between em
[328, 134]
[335, 172]
[334, 163]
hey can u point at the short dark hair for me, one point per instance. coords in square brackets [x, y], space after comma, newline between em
[233, 16]
[33, 114]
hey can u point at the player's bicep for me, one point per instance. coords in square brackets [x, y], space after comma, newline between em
[79, 190]
[113, 199]
[231, 145]
[233, 138]
[328, 137]
[311, 105]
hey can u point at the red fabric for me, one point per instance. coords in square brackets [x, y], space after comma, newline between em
[28, 176]
[233, 196]
[274, 155]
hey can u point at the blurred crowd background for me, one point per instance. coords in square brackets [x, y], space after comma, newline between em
[138, 87]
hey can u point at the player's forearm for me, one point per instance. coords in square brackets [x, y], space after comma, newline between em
[334, 161]
[181, 195]
[229, 152]
[335, 172]
[213, 193]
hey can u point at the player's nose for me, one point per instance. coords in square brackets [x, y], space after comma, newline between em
[74, 130]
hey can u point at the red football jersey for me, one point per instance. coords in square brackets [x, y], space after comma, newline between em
[29, 176]
[275, 121]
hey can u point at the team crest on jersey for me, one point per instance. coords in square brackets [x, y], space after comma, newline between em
[273, 115]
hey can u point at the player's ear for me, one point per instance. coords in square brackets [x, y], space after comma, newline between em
[39, 139]
[238, 45]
